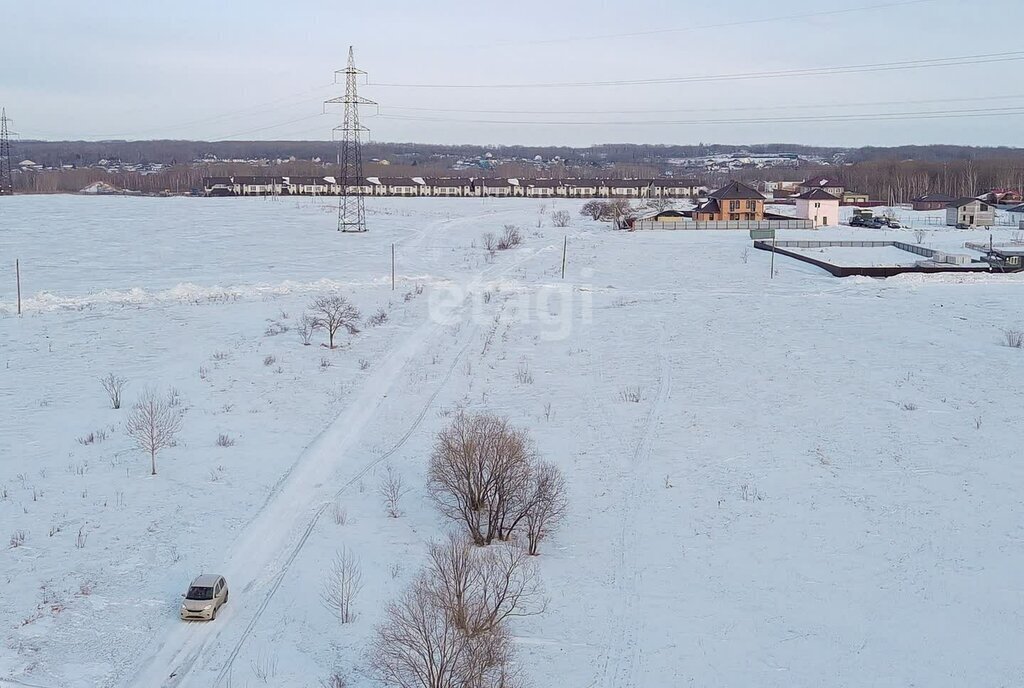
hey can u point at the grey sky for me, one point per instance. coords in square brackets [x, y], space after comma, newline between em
[259, 69]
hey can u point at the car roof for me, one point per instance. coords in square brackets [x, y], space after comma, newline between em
[206, 580]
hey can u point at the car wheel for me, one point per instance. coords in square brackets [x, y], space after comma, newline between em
[213, 614]
[226, 595]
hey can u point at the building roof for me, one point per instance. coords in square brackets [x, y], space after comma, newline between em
[624, 183]
[735, 190]
[817, 195]
[820, 182]
[961, 202]
[709, 206]
[543, 183]
[494, 183]
[663, 213]
[676, 183]
[934, 198]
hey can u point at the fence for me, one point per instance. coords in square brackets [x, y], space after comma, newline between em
[865, 271]
[727, 224]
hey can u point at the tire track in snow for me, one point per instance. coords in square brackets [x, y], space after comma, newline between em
[624, 653]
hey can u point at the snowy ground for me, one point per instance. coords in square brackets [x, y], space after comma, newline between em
[819, 486]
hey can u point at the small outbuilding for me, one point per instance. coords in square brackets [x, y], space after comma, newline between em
[819, 206]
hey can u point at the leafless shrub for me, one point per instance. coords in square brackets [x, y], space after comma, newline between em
[364, 364]
[631, 394]
[203, 372]
[490, 242]
[274, 328]
[919, 235]
[595, 210]
[547, 410]
[977, 422]
[17, 538]
[333, 313]
[224, 440]
[325, 363]
[334, 680]
[174, 397]
[378, 318]
[85, 588]
[510, 238]
[269, 360]
[81, 538]
[339, 514]
[745, 255]
[55, 528]
[392, 488]
[153, 423]
[305, 329]
[221, 355]
[343, 583]
[1013, 338]
[87, 439]
[523, 374]
[750, 494]
[908, 406]
[114, 385]
[264, 667]
[560, 218]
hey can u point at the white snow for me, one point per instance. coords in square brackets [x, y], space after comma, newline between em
[819, 487]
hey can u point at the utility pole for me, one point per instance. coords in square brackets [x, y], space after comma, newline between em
[351, 211]
[6, 179]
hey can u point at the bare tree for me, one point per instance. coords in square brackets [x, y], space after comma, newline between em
[560, 218]
[547, 503]
[153, 423]
[479, 471]
[332, 313]
[344, 581]
[417, 646]
[307, 323]
[392, 488]
[490, 242]
[114, 384]
[510, 238]
[595, 210]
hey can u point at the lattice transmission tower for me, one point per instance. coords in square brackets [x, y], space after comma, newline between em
[351, 210]
[6, 179]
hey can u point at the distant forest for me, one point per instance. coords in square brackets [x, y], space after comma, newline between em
[890, 175]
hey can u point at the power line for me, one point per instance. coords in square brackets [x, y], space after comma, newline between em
[867, 117]
[706, 27]
[755, 108]
[987, 58]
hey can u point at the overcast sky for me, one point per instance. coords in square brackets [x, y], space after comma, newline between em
[260, 69]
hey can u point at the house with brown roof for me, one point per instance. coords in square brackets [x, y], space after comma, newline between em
[677, 188]
[734, 201]
[829, 184]
[932, 201]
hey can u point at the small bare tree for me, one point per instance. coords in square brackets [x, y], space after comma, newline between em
[560, 218]
[919, 235]
[595, 210]
[490, 242]
[510, 238]
[332, 313]
[392, 488]
[344, 581]
[153, 423]
[305, 328]
[548, 503]
[114, 384]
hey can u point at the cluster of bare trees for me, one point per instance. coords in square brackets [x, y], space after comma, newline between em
[331, 314]
[448, 629]
[486, 476]
[615, 210]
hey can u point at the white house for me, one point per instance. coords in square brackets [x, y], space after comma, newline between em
[818, 205]
[971, 212]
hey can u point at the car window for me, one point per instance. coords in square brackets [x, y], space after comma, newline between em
[197, 592]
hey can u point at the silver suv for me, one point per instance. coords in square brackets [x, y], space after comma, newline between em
[207, 594]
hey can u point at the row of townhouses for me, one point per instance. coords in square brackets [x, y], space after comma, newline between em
[456, 186]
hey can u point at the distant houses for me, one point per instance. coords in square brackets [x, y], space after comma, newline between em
[458, 187]
[932, 201]
[827, 184]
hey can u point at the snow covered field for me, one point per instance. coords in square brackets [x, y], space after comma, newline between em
[819, 485]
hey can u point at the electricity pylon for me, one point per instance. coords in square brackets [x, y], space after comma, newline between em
[351, 210]
[6, 179]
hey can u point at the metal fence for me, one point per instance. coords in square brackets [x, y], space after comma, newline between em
[727, 224]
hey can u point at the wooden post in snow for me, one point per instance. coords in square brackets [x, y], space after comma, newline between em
[392, 267]
[565, 245]
[17, 278]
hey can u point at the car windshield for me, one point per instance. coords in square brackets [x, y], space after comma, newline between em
[199, 593]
